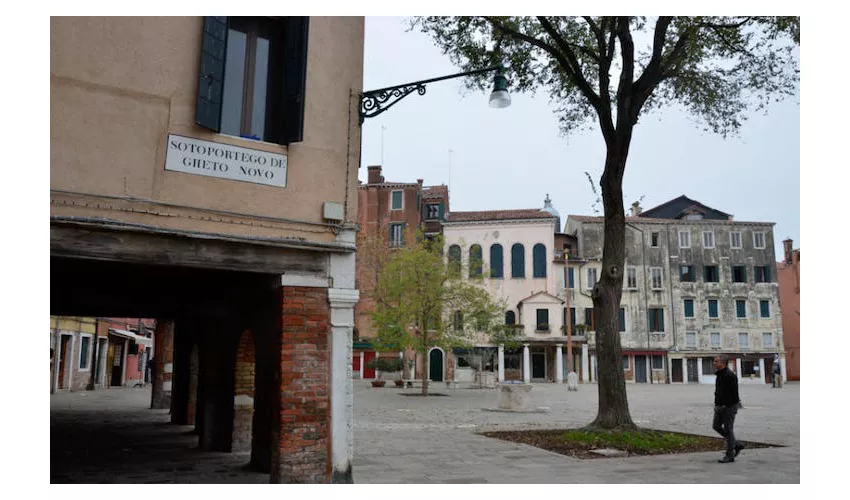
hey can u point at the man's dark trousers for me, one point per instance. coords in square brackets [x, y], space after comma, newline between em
[724, 424]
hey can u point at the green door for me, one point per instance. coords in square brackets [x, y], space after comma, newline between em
[436, 366]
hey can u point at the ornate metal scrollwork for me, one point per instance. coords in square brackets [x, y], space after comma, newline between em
[374, 103]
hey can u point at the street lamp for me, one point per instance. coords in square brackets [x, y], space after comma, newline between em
[375, 102]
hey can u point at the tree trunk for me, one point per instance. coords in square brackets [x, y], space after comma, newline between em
[425, 373]
[613, 402]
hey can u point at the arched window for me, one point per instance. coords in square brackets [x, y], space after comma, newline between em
[476, 261]
[454, 260]
[539, 256]
[510, 318]
[517, 261]
[496, 266]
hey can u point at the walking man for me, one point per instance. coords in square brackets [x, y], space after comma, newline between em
[726, 402]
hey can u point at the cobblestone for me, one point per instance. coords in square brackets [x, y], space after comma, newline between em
[111, 436]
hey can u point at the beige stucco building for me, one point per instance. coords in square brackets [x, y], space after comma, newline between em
[522, 264]
[209, 165]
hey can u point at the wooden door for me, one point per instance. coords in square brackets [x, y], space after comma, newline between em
[640, 369]
[676, 370]
[368, 372]
[538, 365]
[435, 374]
[117, 363]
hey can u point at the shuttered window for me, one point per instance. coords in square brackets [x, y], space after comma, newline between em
[476, 261]
[496, 261]
[454, 261]
[510, 318]
[764, 308]
[539, 260]
[713, 311]
[656, 319]
[252, 77]
[622, 319]
[518, 261]
[689, 308]
[741, 308]
[588, 319]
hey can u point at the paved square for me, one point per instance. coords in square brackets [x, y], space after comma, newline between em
[434, 440]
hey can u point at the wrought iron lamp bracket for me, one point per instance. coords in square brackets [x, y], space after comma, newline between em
[376, 102]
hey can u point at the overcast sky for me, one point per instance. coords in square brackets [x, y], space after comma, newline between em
[511, 158]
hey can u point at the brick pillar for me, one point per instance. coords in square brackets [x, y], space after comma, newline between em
[243, 393]
[163, 369]
[302, 439]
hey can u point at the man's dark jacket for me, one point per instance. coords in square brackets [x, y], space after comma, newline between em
[726, 388]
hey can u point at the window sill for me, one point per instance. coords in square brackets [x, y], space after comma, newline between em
[247, 143]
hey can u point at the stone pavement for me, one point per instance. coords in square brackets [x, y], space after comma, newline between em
[433, 440]
[110, 436]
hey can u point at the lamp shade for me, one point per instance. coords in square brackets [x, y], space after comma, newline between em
[500, 98]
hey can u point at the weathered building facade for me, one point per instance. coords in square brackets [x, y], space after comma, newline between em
[696, 284]
[788, 274]
[209, 166]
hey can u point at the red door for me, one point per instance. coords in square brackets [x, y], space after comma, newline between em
[368, 372]
[355, 362]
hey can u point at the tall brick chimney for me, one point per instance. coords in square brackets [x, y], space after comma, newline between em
[789, 248]
[375, 176]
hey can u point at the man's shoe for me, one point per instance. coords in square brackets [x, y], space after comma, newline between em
[726, 460]
[738, 448]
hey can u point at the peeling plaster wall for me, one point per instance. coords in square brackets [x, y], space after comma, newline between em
[668, 255]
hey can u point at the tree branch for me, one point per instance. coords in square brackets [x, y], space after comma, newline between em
[625, 115]
[573, 66]
[606, 51]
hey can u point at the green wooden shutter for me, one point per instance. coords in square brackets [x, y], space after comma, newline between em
[294, 78]
[571, 272]
[442, 211]
[211, 73]
[517, 261]
[689, 308]
[539, 260]
[661, 317]
[622, 319]
[496, 265]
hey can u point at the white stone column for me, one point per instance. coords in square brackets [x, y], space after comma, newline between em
[782, 368]
[738, 369]
[699, 370]
[361, 364]
[526, 364]
[559, 364]
[342, 299]
[123, 362]
[684, 371]
[592, 365]
[501, 363]
[585, 364]
[761, 369]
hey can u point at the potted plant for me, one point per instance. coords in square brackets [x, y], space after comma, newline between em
[382, 365]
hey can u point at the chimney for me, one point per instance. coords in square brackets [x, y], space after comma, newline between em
[789, 245]
[635, 210]
[420, 181]
[375, 176]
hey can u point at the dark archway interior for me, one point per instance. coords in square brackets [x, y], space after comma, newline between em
[114, 436]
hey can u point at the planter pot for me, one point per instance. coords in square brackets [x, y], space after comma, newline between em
[399, 383]
[378, 383]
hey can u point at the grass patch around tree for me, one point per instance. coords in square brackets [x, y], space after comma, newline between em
[579, 443]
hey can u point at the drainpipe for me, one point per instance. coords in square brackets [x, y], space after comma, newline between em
[645, 286]
[672, 313]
